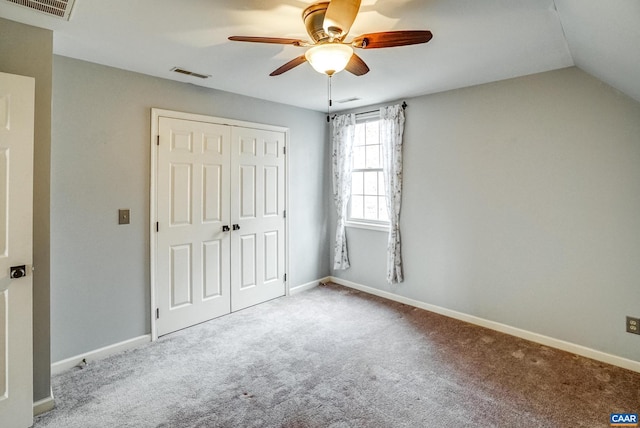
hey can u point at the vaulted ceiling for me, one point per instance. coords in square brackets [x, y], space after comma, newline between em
[475, 41]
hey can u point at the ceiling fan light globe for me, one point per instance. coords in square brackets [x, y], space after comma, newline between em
[329, 58]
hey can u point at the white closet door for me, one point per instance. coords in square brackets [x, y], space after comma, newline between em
[257, 213]
[192, 254]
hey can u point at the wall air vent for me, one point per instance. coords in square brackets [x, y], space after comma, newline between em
[57, 8]
[190, 73]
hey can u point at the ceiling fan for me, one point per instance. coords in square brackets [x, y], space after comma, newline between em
[328, 23]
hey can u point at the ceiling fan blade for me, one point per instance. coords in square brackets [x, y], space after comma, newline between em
[275, 40]
[339, 17]
[390, 39]
[357, 66]
[288, 66]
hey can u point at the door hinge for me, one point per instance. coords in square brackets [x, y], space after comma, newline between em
[284, 213]
[285, 277]
[158, 141]
[157, 313]
[284, 150]
[157, 227]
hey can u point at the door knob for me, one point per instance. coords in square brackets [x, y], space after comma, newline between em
[236, 227]
[17, 271]
[225, 228]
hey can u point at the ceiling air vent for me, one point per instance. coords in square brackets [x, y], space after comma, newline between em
[348, 100]
[190, 73]
[57, 8]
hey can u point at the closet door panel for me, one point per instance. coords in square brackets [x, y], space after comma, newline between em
[257, 210]
[192, 250]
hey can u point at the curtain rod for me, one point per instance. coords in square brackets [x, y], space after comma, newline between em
[404, 106]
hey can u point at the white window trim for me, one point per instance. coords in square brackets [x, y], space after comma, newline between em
[369, 116]
[368, 224]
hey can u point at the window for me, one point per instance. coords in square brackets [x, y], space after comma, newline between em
[368, 203]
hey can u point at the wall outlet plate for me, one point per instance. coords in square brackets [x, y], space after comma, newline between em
[123, 216]
[633, 325]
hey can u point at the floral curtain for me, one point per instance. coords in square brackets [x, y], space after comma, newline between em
[391, 130]
[342, 136]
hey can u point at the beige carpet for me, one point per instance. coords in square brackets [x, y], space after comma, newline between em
[334, 357]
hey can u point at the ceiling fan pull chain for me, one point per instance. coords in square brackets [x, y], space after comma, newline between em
[330, 101]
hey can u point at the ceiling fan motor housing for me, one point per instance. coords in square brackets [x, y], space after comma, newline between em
[313, 17]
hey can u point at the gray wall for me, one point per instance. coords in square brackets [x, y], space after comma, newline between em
[520, 205]
[100, 162]
[27, 51]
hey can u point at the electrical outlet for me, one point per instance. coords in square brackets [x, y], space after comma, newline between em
[633, 325]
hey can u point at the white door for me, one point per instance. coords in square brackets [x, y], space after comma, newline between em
[192, 254]
[16, 214]
[257, 212]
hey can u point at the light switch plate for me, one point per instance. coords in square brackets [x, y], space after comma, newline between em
[123, 216]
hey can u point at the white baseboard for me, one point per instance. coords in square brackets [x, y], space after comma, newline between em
[60, 366]
[44, 405]
[503, 328]
[308, 286]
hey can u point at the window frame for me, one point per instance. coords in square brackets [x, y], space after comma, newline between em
[361, 223]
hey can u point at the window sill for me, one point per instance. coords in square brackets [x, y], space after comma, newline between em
[370, 226]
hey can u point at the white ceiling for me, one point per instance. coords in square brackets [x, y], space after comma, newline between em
[475, 41]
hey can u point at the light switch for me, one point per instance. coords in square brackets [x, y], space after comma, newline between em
[123, 216]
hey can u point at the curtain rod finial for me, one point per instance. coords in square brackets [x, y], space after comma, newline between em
[404, 104]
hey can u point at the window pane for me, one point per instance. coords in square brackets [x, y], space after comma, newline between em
[357, 184]
[371, 207]
[359, 157]
[373, 131]
[368, 202]
[373, 156]
[360, 135]
[357, 207]
[381, 189]
[371, 183]
[382, 209]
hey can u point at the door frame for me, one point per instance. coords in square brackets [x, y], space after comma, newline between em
[156, 114]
